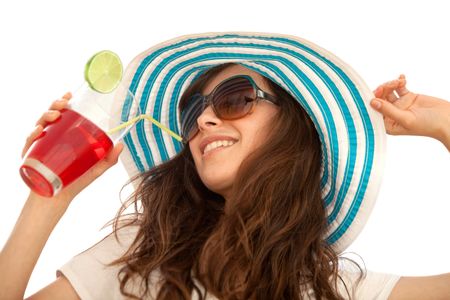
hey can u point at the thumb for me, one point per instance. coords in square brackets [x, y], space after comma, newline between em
[110, 160]
[390, 110]
[97, 170]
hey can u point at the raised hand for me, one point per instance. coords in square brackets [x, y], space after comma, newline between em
[408, 113]
[50, 116]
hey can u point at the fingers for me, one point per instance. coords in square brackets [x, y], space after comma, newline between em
[61, 103]
[67, 96]
[31, 138]
[391, 111]
[391, 97]
[54, 113]
[386, 92]
[392, 90]
[402, 90]
[113, 156]
[97, 170]
[110, 160]
[394, 128]
[47, 117]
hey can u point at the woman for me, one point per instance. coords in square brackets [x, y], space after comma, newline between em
[238, 211]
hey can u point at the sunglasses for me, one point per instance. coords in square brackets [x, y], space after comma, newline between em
[231, 99]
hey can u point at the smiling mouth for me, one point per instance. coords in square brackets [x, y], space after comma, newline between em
[210, 152]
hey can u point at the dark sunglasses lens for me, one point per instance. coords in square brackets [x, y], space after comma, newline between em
[233, 98]
[189, 117]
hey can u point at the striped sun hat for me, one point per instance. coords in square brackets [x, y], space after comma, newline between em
[352, 134]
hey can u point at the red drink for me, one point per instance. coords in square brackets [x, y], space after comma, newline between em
[66, 149]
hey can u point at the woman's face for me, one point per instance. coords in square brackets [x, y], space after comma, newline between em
[218, 168]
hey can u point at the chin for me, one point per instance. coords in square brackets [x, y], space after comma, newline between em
[218, 185]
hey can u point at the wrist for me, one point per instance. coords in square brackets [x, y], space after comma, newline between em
[53, 208]
[445, 134]
[446, 142]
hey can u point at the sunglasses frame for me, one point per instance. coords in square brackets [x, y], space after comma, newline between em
[206, 100]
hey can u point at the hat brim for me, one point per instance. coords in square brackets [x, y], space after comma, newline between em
[336, 98]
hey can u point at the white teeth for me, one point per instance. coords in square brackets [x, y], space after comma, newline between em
[216, 144]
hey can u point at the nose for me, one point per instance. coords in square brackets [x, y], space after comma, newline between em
[208, 119]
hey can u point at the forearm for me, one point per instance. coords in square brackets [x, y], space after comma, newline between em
[427, 287]
[18, 258]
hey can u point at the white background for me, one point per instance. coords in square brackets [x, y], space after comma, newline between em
[45, 44]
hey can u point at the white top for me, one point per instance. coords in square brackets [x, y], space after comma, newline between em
[91, 279]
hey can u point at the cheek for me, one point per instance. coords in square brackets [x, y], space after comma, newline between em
[194, 145]
[256, 136]
[196, 155]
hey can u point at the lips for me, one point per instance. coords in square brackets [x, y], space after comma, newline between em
[215, 150]
[214, 138]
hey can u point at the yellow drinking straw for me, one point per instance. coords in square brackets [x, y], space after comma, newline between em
[147, 117]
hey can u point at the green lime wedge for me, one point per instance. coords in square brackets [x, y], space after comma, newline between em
[103, 71]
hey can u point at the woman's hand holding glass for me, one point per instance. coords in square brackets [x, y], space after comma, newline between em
[50, 116]
[408, 113]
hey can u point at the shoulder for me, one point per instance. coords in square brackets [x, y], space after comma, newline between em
[113, 245]
[363, 284]
[91, 275]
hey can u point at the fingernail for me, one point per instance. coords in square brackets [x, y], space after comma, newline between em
[376, 90]
[376, 104]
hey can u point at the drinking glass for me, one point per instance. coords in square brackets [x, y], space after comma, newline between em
[88, 128]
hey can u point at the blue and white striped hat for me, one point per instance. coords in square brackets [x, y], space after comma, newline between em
[337, 100]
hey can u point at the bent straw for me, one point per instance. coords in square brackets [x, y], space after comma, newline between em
[147, 117]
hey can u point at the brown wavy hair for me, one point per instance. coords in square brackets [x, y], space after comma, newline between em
[265, 242]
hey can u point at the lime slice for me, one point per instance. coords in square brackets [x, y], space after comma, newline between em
[103, 71]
